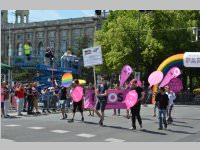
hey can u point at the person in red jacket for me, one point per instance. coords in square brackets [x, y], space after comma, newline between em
[20, 101]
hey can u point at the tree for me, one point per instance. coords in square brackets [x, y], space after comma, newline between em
[162, 33]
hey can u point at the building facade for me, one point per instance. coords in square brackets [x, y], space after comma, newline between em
[57, 34]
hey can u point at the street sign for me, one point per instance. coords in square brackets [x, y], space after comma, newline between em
[92, 56]
[191, 59]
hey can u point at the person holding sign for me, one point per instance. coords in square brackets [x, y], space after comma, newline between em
[135, 110]
[77, 97]
[101, 102]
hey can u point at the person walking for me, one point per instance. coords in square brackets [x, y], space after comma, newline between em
[172, 97]
[25, 98]
[45, 100]
[163, 100]
[91, 111]
[30, 100]
[35, 98]
[78, 105]
[20, 99]
[116, 111]
[101, 102]
[63, 101]
[6, 100]
[135, 110]
[2, 99]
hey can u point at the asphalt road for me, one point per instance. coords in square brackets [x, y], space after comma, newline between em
[49, 128]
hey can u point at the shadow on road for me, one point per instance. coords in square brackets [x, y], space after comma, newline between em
[180, 122]
[189, 118]
[182, 126]
[183, 132]
[152, 132]
[114, 127]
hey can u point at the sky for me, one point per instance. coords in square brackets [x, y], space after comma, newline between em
[43, 15]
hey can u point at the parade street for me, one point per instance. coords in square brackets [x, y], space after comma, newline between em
[49, 128]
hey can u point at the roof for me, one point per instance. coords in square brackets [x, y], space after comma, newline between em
[5, 66]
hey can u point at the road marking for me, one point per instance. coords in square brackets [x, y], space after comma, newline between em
[114, 140]
[12, 125]
[86, 135]
[36, 128]
[60, 131]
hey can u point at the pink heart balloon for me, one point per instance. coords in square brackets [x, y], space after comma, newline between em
[131, 99]
[155, 78]
[77, 94]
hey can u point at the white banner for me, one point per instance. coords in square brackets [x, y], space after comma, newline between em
[92, 56]
[191, 59]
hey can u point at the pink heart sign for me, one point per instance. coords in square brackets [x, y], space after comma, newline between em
[131, 99]
[155, 78]
[125, 73]
[171, 74]
[77, 94]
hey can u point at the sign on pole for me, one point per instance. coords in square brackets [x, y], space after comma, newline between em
[191, 59]
[92, 56]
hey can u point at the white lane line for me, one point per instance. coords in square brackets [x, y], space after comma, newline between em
[85, 135]
[114, 140]
[36, 128]
[60, 131]
[12, 125]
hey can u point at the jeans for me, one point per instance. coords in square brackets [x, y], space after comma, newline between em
[6, 106]
[162, 118]
[20, 104]
[46, 105]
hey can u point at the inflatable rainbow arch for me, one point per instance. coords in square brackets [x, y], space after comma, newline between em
[172, 61]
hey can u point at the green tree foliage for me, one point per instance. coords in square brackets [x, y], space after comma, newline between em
[162, 34]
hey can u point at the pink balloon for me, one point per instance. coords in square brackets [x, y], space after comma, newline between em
[155, 78]
[125, 73]
[77, 94]
[175, 85]
[172, 73]
[131, 99]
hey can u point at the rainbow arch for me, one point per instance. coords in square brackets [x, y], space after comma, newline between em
[172, 61]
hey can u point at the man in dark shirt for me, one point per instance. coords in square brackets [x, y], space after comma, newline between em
[101, 102]
[162, 100]
[30, 99]
[135, 110]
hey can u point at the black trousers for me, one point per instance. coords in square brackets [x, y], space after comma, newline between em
[30, 105]
[77, 105]
[135, 111]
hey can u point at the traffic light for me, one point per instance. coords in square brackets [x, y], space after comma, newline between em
[98, 12]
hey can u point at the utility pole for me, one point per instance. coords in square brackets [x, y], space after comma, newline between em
[9, 57]
[138, 44]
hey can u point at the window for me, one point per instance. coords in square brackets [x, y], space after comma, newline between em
[29, 35]
[40, 34]
[19, 36]
[52, 34]
[1, 14]
[64, 33]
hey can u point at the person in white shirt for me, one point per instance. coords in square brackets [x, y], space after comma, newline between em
[172, 97]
